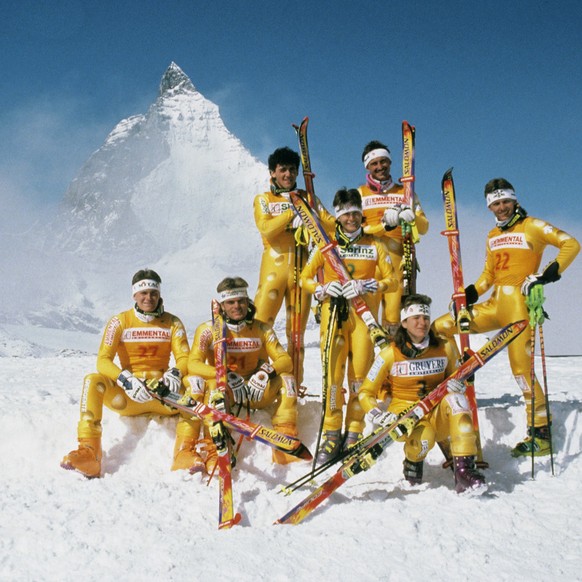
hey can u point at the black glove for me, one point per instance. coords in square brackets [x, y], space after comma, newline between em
[549, 275]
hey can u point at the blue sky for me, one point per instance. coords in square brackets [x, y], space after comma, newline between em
[493, 88]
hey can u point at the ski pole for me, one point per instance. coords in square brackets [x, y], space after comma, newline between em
[545, 378]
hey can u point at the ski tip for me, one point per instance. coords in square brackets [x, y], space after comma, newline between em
[304, 453]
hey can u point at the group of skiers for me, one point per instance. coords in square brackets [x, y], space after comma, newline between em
[366, 226]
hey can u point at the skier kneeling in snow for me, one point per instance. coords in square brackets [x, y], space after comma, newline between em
[259, 372]
[143, 339]
[415, 363]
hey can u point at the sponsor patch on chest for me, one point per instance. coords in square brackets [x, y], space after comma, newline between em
[241, 345]
[360, 252]
[508, 241]
[381, 200]
[276, 208]
[421, 367]
[146, 334]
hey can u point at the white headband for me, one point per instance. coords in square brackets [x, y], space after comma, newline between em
[238, 293]
[341, 210]
[414, 309]
[500, 194]
[144, 285]
[377, 153]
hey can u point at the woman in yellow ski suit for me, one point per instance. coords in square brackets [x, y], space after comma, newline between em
[414, 364]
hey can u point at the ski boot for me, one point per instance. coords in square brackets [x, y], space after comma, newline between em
[351, 439]
[211, 454]
[330, 447]
[86, 459]
[279, 457]
[539, 441]
[412, 471]
[186, 456]
[466, 475]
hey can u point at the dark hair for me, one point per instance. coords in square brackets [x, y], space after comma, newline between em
[345, 196]
[497, 184]
[283, 157]
[231, 283]
[373, 145]
[417, 298]
[401, 337]
[145, 274]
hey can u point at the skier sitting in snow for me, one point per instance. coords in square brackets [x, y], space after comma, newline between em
[365, 258]
[384, 209]
[415, 363]
[513, 256]
[259, 373]
[143, 339]
[278, 224]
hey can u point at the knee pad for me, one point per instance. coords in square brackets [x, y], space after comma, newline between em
[288, 386]
[195, 387]
[458, 403]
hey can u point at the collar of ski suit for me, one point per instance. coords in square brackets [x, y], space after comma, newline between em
[379, 187]
[148, 316]
[519, 214]
[345, 240]
[277, 190]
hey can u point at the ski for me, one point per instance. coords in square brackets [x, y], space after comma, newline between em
[308, 175]
[365, 457]
[219, 433]
[459, 298]
[330, 253]
[410, 235]
[258, 432]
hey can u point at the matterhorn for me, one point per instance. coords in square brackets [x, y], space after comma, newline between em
[171, 190]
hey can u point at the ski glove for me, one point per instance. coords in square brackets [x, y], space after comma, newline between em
[404, 427]
[259, 381]
[297, 222]
[134, 387]
[456, 386]
[257, 385]
[378, 417]
[237, 384]
[398, 213]
[355, 287]
[331, 289]
[172, 379]
[549, 275]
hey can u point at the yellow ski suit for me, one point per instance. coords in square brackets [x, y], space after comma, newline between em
[373, 206]
[274, 216]
[351, 345]
[412, 378]
[512, 255]
[247, 348]
[143, 348]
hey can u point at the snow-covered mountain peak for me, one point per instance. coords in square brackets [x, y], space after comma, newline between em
[171, 188]
[175, 80]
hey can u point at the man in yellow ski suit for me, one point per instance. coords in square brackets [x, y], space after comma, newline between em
[285, 250]
[384, 208]
[414, 364]
[368, 263]
[143, 339]
[259, 369]
[513, 255]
